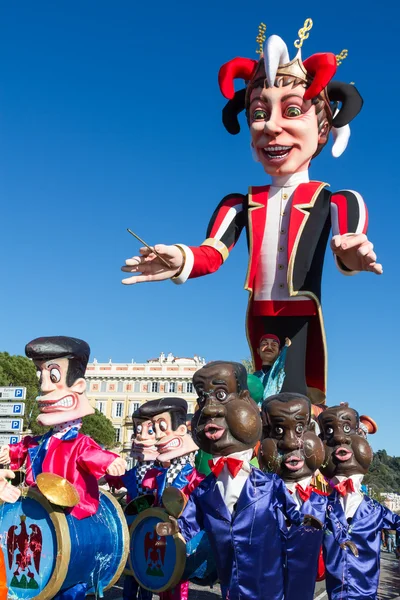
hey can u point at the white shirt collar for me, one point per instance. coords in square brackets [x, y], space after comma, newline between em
[291, 485]
[244, 455]
[290, 180]
[356, 479]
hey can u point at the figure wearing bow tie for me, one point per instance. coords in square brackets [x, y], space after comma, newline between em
[237, 505]
[292, 450]
[61, 363]
[353, 533]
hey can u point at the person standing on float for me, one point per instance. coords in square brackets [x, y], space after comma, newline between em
[291, 107]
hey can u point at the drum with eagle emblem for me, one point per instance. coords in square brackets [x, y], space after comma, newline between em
[46, 551]
[160, 563]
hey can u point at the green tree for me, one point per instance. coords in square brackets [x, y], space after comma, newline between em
[20, 371]
[99, 428]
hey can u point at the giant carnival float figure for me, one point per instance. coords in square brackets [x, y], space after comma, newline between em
[237, 504]
[144, 452]
[62, 553]
[353, 534]
[8, 493]
[291, 107]
[292, 450]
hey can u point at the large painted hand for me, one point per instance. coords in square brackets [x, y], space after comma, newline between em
[356, 252]
[4, 455]
[163, 529]
[117, 467]
[8, 493]
[149, 267]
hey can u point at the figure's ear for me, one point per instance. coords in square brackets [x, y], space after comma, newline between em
[245, 395]
[79, 386]
[182, 430]
[323, 133]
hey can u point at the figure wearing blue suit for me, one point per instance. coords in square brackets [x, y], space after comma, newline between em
[247, 544]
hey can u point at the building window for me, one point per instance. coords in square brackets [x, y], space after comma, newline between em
[128, 438]
[101, 406]
[155, 386]
[103, 386]
[118, 410]
[170, 387]
[137, 387]
[88, 385]
[189, 387]
[120, 387]
[117, 434]
[132, 407]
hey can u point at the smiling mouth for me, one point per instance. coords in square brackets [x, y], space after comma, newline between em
[174, 443]
[343, 454]
[294, 463]
[214, 432]
[276, 153]
[64, 403]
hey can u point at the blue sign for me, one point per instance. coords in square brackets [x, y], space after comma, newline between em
[17, 409]
[19, 392]
[14, 439]
[15, 425]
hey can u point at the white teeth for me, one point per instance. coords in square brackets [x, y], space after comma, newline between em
[277, 148]
[66, 402]
[172, 444]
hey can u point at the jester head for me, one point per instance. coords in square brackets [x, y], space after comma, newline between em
[61, 364]
[291, 106]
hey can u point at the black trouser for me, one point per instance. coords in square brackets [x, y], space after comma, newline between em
[295, 328]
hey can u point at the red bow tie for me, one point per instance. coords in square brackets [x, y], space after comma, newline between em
[304, 494]
[344, 487]
[234, 465]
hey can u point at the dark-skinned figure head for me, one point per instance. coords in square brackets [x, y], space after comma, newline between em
[290, 446]
[347, 452]
[228, 420]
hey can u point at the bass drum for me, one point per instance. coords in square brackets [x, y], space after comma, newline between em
[46, 551]
[160, 563]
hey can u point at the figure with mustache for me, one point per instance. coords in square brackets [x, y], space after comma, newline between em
[144, 452]
[175, 466]
[237, 504]
[61, 364]
[272, 372]
[292, 450]
[353, 534]
[291, 108]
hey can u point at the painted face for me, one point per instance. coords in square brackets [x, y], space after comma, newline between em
[291, 448]
[226, 421]
[347, 452]
[144, 438]
[268, 351]
[58, 401]
[283, 128]
[171, 443]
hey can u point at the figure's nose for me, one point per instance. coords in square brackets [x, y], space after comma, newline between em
[46, 385]
[272, 128]
[290, 441]
[213, 410]
[340, 437]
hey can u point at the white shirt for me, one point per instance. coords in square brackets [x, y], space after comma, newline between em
[352, 500]
[291, 486]
[271, 276]
[231, 487]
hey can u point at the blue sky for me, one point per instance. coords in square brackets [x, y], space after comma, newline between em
[110, 118]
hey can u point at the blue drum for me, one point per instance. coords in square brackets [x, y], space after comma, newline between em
[160, 563]
[47, 551]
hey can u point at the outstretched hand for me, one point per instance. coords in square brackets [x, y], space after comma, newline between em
[148, 266]
[8, 493]
[165, 528]
[356, 252]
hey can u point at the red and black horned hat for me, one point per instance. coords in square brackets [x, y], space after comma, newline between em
[343, 101]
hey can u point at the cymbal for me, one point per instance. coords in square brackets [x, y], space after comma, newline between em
[57, 490]
[174, 501]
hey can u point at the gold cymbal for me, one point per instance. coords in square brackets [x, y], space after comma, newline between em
[57, 490]
[174, 501]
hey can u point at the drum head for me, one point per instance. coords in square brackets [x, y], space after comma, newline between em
[156, 562]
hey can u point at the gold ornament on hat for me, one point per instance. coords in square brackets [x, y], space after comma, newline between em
[340, 57]
[303, 33]
[260, 39]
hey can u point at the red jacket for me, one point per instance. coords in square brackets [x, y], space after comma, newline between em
[81, 461]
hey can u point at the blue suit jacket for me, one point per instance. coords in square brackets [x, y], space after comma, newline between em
[248, 544]
[349, 577]
[302, 548]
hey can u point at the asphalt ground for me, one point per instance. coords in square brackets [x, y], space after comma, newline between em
[389, 588]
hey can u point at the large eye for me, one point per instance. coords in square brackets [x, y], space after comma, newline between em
[163, 425]
[293, 111]
[150, 430]
[329, 430]
[259, 115]
[278, 430]
[221, 395]
[55, 375]
[139, 429]
[299, 428]
[346, 428]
